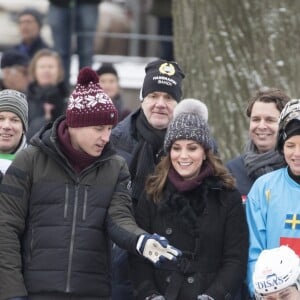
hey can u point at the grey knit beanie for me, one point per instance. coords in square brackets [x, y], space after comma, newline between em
[189, 123]
[15, 102]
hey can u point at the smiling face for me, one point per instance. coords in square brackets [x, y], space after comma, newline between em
[291, 151]
[91, 139]
[158, 108]
[187, 157]
[264, 125]
[11, 132]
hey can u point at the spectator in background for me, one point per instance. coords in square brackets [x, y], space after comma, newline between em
[109, 81]
[162, 9]
[259, 156]
[74, 18]
[47, 74]
[54, 104]
[14, 71]
[13, 126]
[30, 23]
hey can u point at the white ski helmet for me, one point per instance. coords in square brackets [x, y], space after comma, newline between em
[275, 270]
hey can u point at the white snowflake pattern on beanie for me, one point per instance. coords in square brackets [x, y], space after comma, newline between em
[88, 104]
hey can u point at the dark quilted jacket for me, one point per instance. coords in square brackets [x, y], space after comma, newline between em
[63, 221]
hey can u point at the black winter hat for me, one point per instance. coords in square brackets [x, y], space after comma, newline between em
[13, 57]
[292, 128]
[289, 123]
[163, 76]
[107, 68]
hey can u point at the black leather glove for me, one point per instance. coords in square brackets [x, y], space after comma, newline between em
[156, 248]
[18, 298]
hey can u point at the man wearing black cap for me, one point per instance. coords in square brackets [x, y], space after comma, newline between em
[30, 23]
[14, 71]
[139, 139]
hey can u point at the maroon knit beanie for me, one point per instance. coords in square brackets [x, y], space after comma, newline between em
[88, 105]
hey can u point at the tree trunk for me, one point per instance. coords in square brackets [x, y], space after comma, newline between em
[228, 49]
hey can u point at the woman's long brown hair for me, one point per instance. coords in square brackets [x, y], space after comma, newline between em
[156, 182]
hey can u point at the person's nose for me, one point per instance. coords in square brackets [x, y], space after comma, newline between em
[106, 135]
[161, 102]
[6, 124]
[262, 123]
[183, 153]
[297, 150]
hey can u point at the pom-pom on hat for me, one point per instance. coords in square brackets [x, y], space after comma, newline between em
[189, 123]
[194, 105]
[163, 76]
[88, 104]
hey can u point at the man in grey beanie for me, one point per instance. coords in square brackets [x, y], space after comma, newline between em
[13, 126]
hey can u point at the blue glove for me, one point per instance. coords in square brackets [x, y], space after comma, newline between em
[155, 297]
[156, 248]
[204, 297]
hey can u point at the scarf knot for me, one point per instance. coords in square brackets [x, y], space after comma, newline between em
[258, 164]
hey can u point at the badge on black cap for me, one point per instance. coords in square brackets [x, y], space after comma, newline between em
[167, 69]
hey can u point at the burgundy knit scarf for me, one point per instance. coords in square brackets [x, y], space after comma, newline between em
[183, 185]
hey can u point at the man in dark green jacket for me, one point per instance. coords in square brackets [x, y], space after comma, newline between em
[61, 201]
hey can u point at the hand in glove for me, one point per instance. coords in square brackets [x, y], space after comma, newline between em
[155, 297]
[156, 248]
[204, 297]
